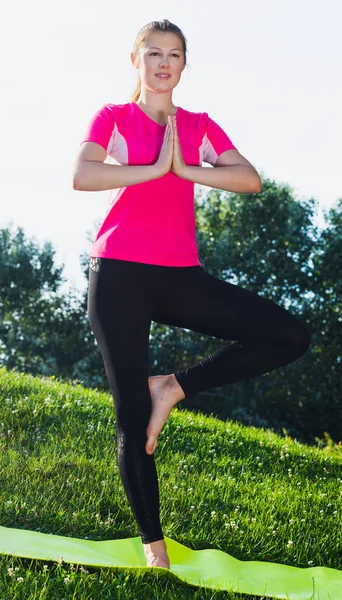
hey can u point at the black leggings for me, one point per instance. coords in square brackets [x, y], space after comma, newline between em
[123, 298]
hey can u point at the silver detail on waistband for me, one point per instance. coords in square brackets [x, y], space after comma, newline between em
[95, 264]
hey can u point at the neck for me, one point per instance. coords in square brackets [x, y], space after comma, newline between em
[158, 105]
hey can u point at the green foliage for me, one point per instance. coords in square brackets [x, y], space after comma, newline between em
[238, 489]
[41, 330]
[262, 241]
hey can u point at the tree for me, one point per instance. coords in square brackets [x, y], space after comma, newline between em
[41, 330]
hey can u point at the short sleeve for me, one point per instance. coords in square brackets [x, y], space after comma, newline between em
[101, 127]
[215, 141]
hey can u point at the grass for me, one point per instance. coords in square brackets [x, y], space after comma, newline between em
[242, 490]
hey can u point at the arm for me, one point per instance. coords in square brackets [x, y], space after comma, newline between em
[92, 174]
[232, 173]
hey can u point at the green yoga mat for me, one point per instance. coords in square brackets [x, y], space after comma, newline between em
[206, 568]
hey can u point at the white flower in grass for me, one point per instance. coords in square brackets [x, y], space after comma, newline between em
[67, 579]
[60, 560]
[20, 579]
[10, 571]
[289, 544]
[213, 514]
[45, 568]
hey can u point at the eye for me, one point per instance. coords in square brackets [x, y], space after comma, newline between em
[177, 55]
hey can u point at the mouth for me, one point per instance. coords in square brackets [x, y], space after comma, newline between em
[163, 76]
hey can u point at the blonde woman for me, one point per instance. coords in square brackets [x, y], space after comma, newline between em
[144, 264]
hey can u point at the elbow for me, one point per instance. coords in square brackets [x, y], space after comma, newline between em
[256, 186]
[76, 184]
[78, 174]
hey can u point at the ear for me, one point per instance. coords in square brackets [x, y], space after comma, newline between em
[133, 58]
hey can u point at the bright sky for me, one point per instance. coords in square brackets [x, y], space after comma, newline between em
[268, 71]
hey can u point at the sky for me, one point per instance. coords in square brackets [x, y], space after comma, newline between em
[267, 71]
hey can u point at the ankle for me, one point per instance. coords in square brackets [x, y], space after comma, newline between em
[177, 388]
[155, 546]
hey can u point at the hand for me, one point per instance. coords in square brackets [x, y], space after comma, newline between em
[178, 165]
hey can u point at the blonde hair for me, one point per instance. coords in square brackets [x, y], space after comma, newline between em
[165, 26]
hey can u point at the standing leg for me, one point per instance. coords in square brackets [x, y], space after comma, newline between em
[119, 314]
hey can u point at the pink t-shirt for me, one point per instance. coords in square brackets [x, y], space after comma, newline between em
[154, 221]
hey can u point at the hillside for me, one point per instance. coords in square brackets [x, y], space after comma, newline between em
[242, 490]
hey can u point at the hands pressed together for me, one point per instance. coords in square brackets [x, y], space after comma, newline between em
[170, 157]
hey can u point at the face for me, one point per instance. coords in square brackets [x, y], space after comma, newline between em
[162, 53]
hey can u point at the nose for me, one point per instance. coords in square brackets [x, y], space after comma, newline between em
[164, 61]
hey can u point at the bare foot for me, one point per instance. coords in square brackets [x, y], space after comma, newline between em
[156, 554]
[165, 393]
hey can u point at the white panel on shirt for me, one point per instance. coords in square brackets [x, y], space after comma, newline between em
[117, 148]
[207, 152]
[117, 154]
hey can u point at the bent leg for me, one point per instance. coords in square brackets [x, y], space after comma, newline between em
[119, 315]
[266, 335]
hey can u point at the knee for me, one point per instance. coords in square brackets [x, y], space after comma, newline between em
[132, 418]
[300, 338]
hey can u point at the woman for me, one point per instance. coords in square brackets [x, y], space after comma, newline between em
[144, 264]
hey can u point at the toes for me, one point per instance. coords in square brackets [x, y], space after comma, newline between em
[151, 444]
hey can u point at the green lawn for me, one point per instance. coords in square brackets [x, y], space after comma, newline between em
[242, 490]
